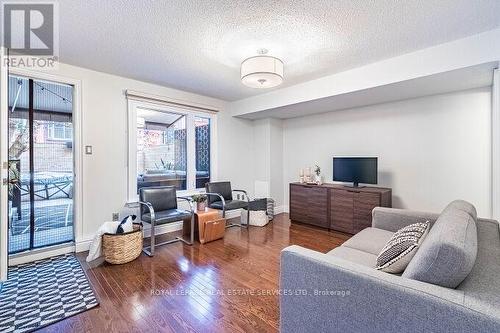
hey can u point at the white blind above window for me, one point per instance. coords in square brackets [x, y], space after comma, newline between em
[166, 101]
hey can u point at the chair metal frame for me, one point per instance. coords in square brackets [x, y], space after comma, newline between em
[150, 250]
[224, 208]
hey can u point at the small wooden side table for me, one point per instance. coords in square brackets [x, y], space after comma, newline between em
[208, 226]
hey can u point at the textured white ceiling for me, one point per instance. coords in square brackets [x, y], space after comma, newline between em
[479, 76]
[198, 45]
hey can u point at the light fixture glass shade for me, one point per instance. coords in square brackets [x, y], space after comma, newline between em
[262, 72]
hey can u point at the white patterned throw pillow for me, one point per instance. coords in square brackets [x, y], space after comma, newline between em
[401, 248]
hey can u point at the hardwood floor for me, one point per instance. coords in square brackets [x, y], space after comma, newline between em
[228, 285]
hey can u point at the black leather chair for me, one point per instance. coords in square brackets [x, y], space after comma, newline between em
[220, 196]
[158, 205]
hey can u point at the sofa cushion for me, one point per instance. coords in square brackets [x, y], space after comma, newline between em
[482, 286]
[371, 240]
[464, 206]
[229, 204]
[449, 251]
[355, 256]
[401, 248]
[167, 216]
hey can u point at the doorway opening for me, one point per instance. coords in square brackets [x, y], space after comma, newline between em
[41, 164]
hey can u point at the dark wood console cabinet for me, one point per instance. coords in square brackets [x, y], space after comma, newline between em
[335, 206]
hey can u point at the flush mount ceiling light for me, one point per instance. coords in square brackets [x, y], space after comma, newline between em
[262, 71]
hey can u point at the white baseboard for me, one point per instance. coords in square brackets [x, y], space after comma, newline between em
[280, 209]
[237, 213]
[233, 214]
[284, 209]
[84, 245]
[80, 246]
[162, 229]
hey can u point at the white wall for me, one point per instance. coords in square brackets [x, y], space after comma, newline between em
[104, 122]
[276, 160]
[268, 158]
[431, 150]
[261, 143]
[235, 151]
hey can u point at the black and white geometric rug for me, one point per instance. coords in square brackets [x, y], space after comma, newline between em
[40, 293]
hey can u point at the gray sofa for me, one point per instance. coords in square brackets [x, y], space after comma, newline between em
[451, 285]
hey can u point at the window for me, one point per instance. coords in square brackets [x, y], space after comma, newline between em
[169, 147]
[60, 131]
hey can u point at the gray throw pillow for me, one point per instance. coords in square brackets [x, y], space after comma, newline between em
[401, 248]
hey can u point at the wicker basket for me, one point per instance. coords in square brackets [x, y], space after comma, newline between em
[122, 248]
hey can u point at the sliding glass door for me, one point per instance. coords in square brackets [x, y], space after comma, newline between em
[40, 164]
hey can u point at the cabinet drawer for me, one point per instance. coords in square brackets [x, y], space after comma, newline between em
[317, 206]
[298, 203]
[364, 203]
[342, 206]
[336, 207]
[309, 204]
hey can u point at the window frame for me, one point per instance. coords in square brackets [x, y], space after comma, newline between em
[190, 114]
[51, 131]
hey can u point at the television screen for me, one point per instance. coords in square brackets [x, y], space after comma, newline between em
[355, 170]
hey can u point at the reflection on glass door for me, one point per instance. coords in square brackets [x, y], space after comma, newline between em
[202, 148]
[161, 149]
[40, 164]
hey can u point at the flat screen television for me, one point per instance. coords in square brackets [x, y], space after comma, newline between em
[355, 170]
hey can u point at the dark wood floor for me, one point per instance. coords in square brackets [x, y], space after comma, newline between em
[225, 286]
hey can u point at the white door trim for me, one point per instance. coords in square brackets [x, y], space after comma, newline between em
[77, 140]
[495, 145]
[4, 110]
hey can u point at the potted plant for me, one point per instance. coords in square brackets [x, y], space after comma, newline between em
[317, 175]
[200, 200]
